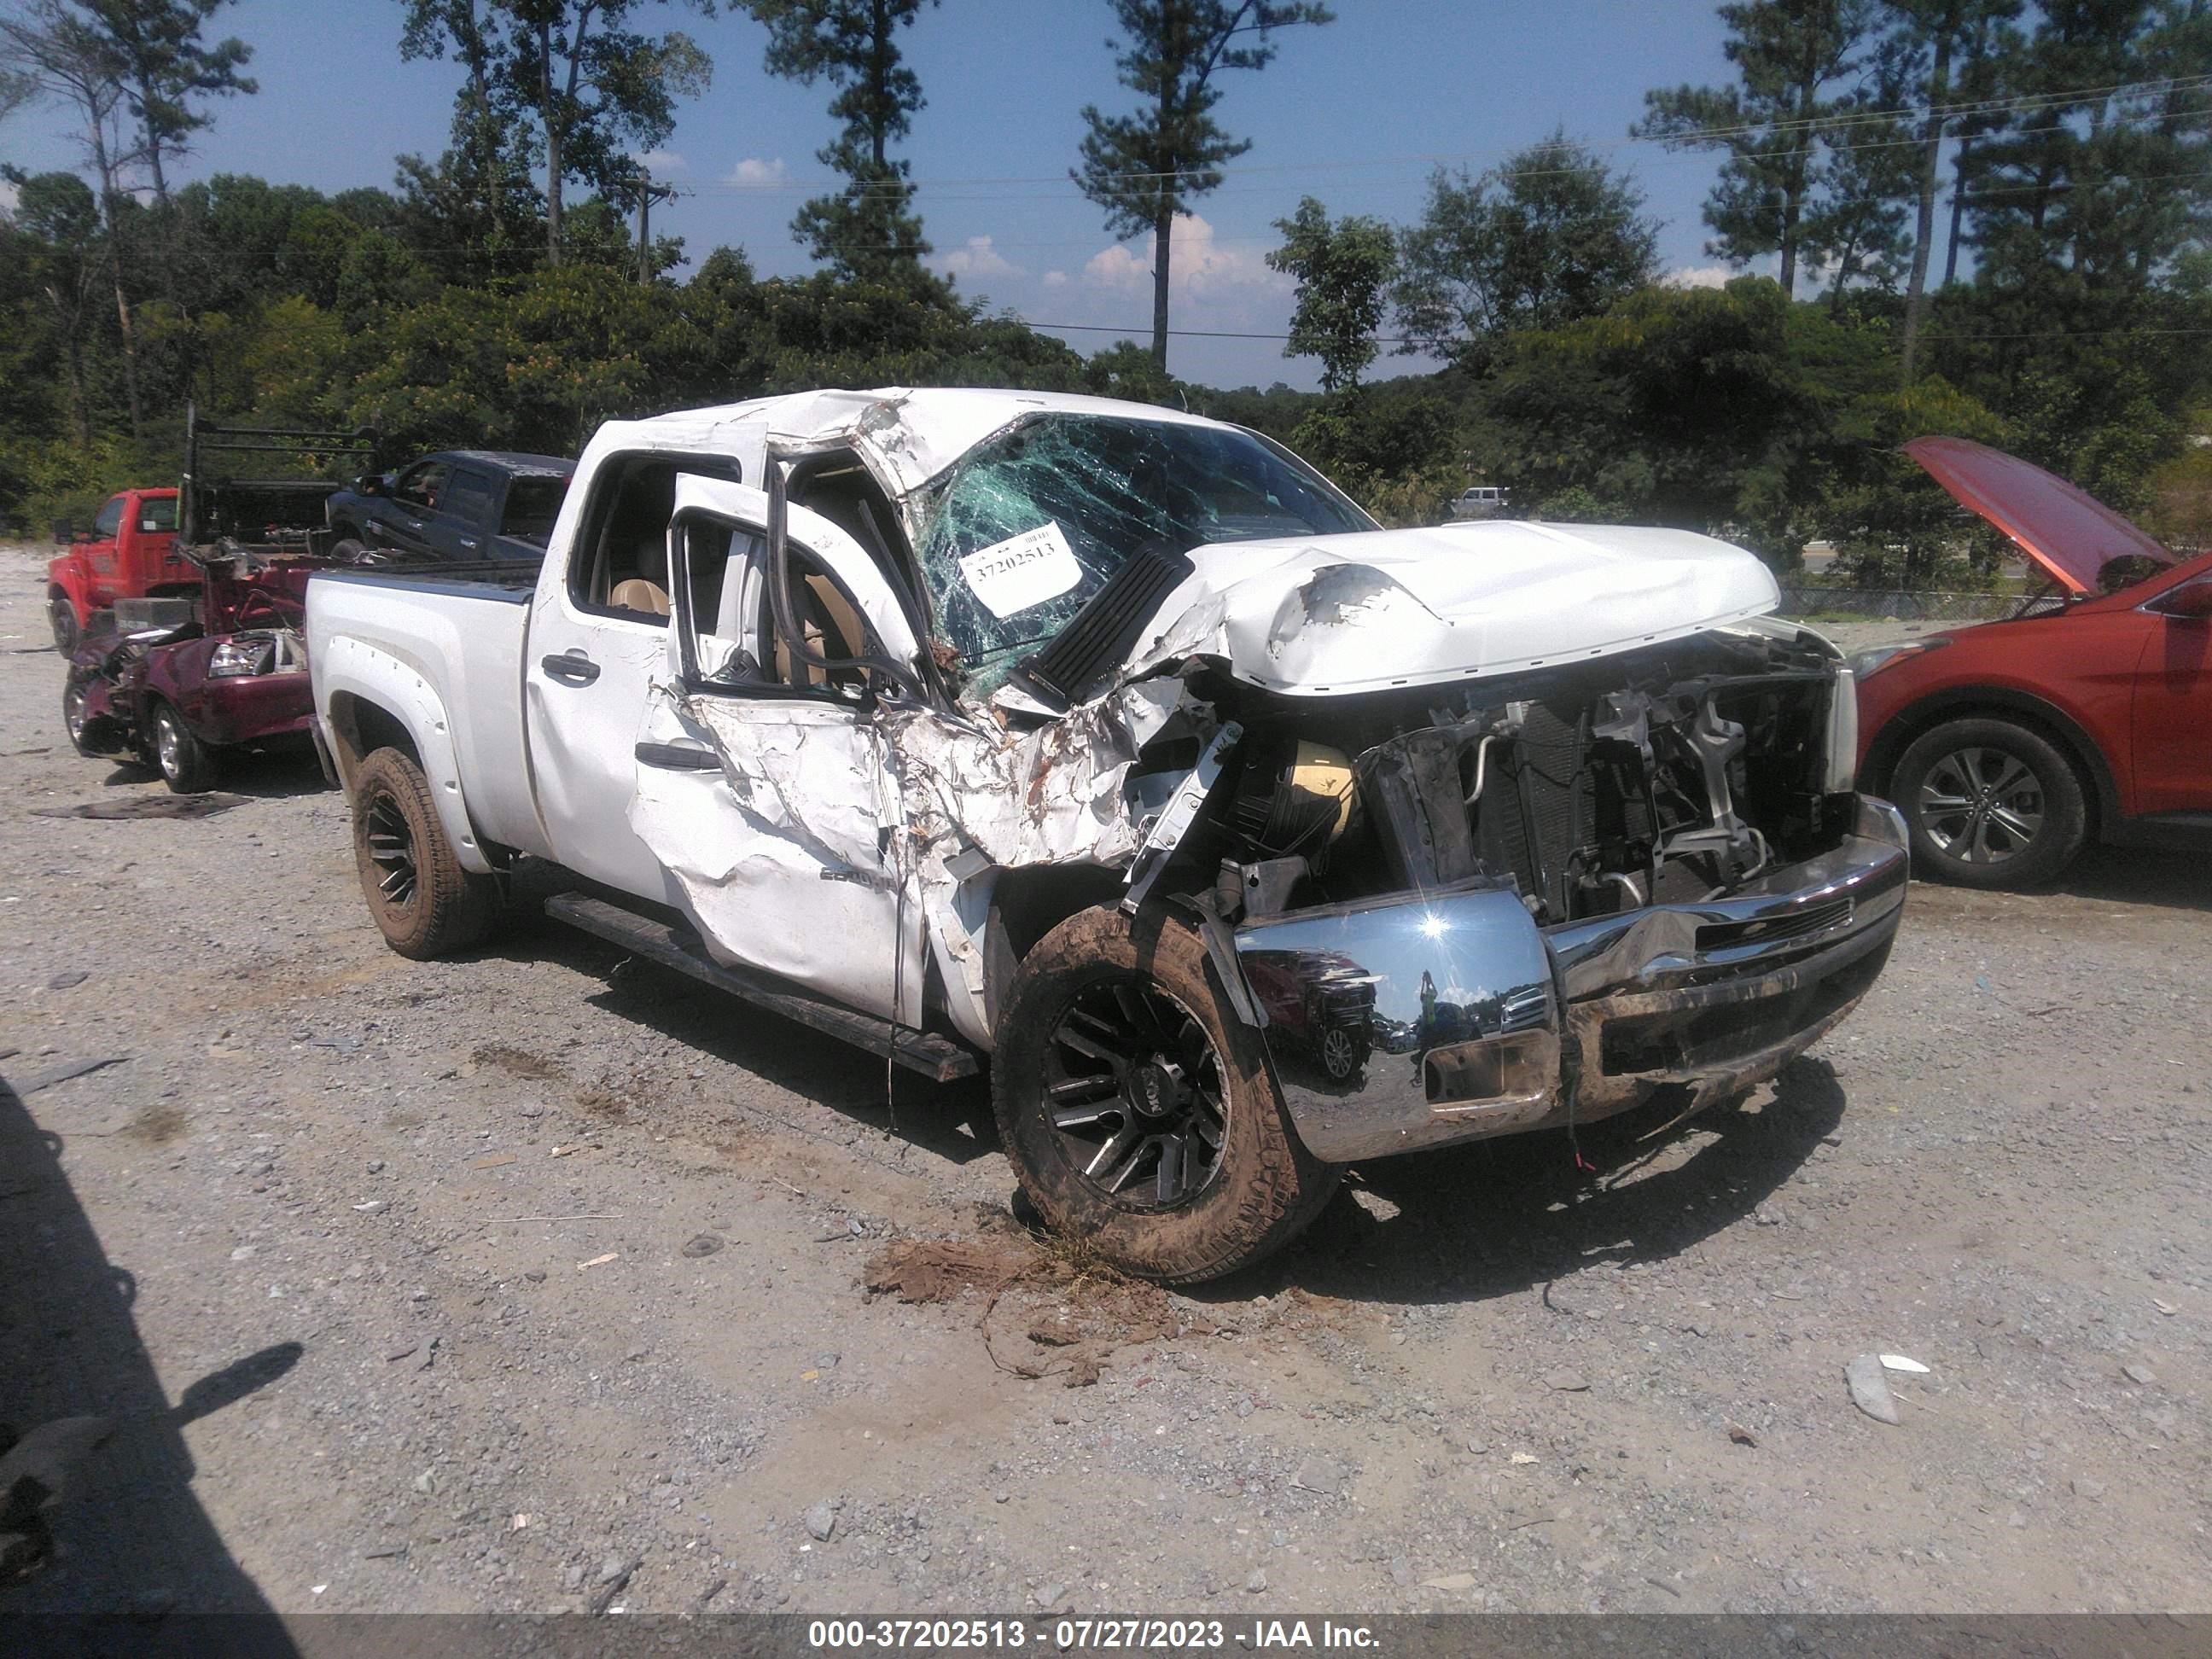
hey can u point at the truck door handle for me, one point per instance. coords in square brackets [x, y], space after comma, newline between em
[469, 542]
[570, 668]
[678, 756]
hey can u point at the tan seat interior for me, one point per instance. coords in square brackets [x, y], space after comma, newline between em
[832, 630]
[635, 593]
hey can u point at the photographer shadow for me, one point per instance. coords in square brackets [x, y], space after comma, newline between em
[97, 1512]
[1493, 1218]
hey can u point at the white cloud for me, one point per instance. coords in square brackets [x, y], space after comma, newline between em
[1117, 267]
[1055, 279]
[754, 172]
[1698, 277]
[1199, 265]
[977, 258]
[662, 162]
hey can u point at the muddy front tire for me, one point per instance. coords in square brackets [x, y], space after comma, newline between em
[423, 903]
[1137, 1110]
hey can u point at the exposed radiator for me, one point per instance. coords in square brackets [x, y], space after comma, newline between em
[1542, 806]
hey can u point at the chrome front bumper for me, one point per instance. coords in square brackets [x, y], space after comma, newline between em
[1480, 1024]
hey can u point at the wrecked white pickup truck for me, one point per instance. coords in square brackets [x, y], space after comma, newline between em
[1247, 840]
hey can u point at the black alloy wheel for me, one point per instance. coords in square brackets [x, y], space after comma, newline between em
[424, 902]
[1136, 1093]
[392, 850]
[1138, 1110]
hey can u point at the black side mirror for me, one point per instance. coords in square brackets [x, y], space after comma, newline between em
[369, 483]
[64, 532]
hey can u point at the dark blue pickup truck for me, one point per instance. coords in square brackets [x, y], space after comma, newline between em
[460, 506]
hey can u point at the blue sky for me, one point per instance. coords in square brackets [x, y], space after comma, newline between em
[1357, 114]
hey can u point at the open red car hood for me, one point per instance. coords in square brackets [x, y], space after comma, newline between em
[2069, 533]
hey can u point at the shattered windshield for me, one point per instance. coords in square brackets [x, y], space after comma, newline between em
[1026, 527]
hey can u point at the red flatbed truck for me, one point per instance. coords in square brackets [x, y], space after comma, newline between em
[129, 553]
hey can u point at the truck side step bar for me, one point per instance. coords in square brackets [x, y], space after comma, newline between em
[935, 1057]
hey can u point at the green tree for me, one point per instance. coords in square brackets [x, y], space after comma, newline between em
[1855, 230]
[1129, 371]
[869, 229]
[824, 331]
[1890, 523]
[1549, 235]
[1792, 57]
[1393, 450]
[16, 90]
[51, 48]
[1932, 36]
[168, 69]
[1144, 168]
[380, 272]
[468, 226]
[1343, 271]
[56, 232]
[589, 86]
[1689, 407]
[230, 241]
[1975, 73]
[488, 160]
[2103, 182]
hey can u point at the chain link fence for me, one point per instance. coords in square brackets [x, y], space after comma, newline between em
[1878, 604]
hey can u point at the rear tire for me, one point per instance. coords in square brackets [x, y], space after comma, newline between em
[349, 550]
[186, 764]
[423, 903]
[1989, 803]
[1139, 1111]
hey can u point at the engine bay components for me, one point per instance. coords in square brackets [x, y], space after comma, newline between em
[1667, 775]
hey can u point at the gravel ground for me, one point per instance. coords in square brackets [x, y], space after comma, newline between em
[536, 1280]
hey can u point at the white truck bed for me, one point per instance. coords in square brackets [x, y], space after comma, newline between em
[458, 643]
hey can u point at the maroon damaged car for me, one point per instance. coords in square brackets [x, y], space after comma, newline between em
[180, 679]
[223, 672]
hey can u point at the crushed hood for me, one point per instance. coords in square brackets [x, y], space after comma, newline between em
[2068, 531]
[1316, 616]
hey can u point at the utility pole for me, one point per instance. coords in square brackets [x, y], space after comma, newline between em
[648, 194]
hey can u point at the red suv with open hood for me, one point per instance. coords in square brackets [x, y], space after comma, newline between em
[2011, 745]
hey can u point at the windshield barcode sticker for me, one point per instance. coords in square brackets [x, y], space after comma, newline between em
[1025, 570]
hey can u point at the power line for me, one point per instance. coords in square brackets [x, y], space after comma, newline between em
[1145, 331]
[2063, 99]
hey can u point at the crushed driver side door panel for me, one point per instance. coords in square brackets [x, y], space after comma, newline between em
[769, 805]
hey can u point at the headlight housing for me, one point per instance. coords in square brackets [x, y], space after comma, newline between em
[1842, 766]
[1876, 658]
[243, 655]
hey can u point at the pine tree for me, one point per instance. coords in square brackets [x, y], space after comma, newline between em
[1144, 168]
[1795, 60]
[869, 229]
